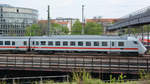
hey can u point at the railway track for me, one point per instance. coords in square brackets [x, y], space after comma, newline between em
[48, 62]
[77, 55]
[68, 62]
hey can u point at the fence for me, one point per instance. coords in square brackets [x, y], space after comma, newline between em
[13, 80]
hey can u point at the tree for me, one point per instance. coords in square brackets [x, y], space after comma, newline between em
[33, 30]
[92, 28]
[41, 29]
[58, 29]
[76, 28]
[136, 30]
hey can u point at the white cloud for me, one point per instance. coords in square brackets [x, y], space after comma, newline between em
[61, 3]
[116, 2]
[72, 8]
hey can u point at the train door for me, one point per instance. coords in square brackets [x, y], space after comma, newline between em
[32, 44]
[112, 46]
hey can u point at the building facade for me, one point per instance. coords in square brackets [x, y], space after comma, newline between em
[14, 20]
[69, 21]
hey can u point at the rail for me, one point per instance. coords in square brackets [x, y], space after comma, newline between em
[68, 64]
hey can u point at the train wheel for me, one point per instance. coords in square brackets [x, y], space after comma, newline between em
[18, 52]
[129, 54]
[45, 52]
[51, 52]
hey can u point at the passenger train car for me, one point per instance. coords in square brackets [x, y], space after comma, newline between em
[73, 43]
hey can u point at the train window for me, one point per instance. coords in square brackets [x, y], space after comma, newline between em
[50, 43]
[13, 42]
[72, 43]
[135, 42]
[80, 43]
[96, 43]
[37, 43]
[112, 44]
[1, 42]
[43, 42]
[120, 43]
[65, 43]
[104, 43]
[7, 42]
[57, 43]
[88, 43]
[25, 42]
[33, 43]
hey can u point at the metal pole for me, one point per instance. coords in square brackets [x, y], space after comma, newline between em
[13, 81]
[48, 32]
[82, 20]
[142, 34]
[41, 80]
[67, 78]
[148, 36]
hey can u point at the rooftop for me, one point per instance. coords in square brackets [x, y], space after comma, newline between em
[103, 20]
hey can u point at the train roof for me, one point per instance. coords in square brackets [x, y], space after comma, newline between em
[80, 37]
[75, 37]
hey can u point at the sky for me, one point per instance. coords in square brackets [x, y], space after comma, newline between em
[73, 8]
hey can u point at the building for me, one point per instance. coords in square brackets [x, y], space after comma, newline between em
[14, 20]
[105, 22]
[70, 21]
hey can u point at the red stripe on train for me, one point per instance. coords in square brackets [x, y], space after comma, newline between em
[69, 48]
[146, 40]
[13, 47]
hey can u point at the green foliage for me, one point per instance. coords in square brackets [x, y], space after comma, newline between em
[144, 75]
[33, 30]
[3, 82]
[121, 78]
[41, 29]
[146, 28]
[81, 76]
[92, 28]
[112, 80]
[58, 29]
[76, 28]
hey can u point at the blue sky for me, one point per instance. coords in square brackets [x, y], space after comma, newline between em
[72, 8]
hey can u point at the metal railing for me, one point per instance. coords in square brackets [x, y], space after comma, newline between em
[139, 17]
[39, 79]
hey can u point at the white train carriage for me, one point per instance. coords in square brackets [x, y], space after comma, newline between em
[14, 44]
[87, 43]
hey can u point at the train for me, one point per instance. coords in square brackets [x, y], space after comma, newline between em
[145, 40]
[72, 43]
